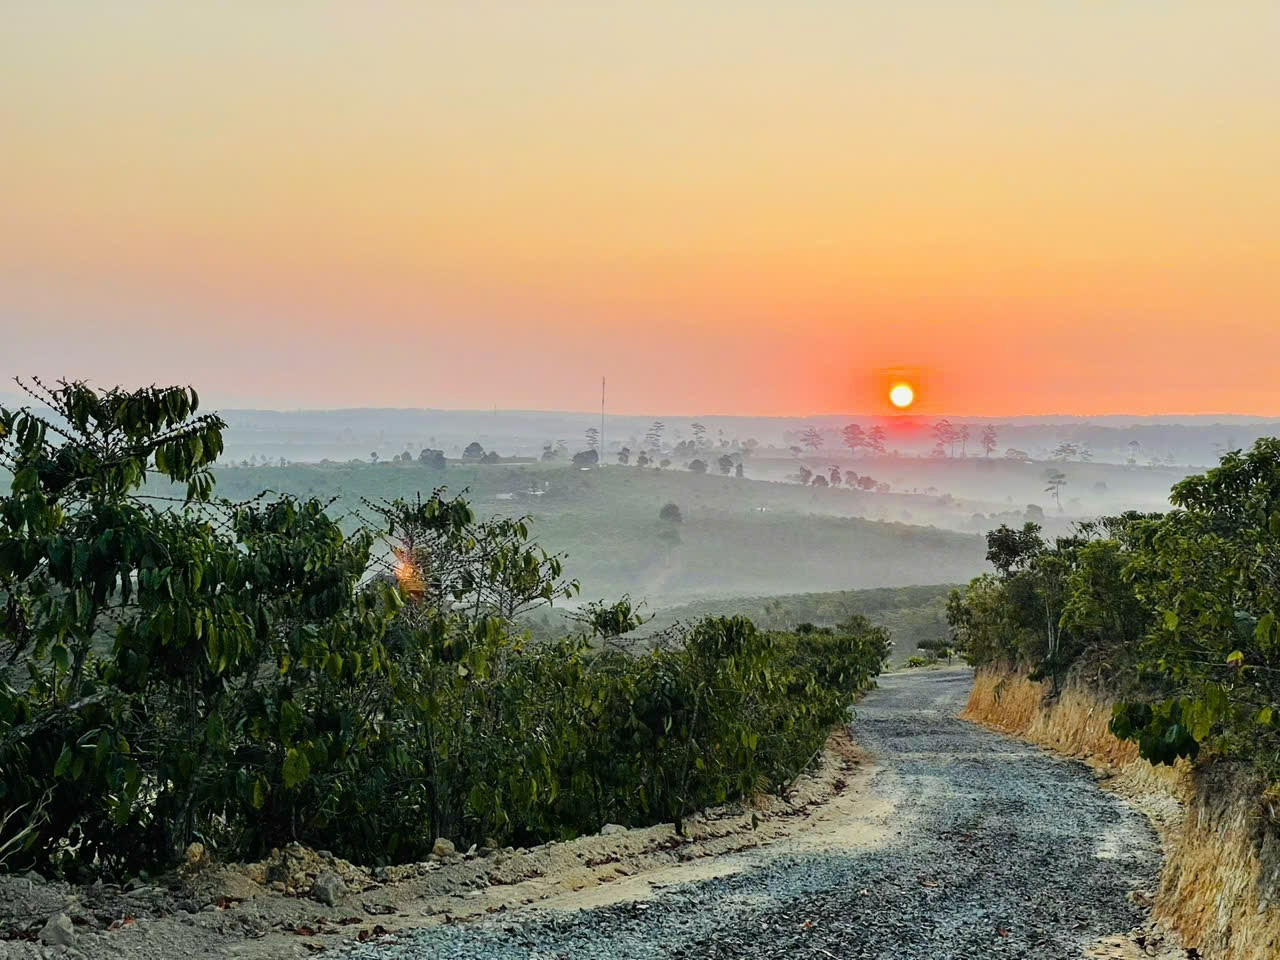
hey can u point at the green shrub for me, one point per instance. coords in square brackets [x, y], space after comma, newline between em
[1177, 613]
[247, 674]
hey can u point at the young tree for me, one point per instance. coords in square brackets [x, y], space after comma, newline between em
[738, 471]
[1134, 448]
[963, 432]
[989, 438]
[592, 437]
[699, 434]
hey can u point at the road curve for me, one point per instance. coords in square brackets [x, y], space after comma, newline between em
[994, 849]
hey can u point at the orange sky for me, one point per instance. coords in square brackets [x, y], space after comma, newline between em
[729, 207]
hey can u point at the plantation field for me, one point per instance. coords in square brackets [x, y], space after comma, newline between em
[911, 614]
[737, 537]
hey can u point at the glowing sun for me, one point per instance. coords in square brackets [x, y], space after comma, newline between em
[901, 395]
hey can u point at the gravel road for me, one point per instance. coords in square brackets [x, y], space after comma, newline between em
[994, 849]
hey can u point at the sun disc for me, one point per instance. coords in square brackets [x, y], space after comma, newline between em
[901, 395]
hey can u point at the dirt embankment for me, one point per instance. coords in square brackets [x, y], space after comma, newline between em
[1220, 887]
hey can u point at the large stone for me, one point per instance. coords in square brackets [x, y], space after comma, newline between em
[612, 829]
[58, 932]
[443, 848]
[328, 889]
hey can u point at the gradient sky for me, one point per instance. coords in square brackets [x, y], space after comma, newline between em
[726, 206]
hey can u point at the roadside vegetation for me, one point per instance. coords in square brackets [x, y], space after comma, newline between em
[178, 667]
[916, 617]
[1176, 614]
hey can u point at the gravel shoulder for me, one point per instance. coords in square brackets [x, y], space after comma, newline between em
[990, 848]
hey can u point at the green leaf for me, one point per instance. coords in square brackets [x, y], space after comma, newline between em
[64, 763]
[296, 768]
[1235, 658]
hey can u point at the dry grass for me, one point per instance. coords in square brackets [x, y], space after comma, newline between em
[1221, 881]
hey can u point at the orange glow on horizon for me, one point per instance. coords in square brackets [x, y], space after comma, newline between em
[747, 209]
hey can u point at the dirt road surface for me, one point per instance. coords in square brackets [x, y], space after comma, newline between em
[970, 845]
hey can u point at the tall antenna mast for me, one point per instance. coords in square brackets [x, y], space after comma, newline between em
[600, 459]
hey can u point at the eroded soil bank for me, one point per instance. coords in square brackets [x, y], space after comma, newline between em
[1220, 884]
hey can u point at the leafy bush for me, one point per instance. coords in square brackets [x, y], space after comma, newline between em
[247, 674]
[1178, 613]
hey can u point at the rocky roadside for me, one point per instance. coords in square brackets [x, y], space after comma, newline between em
[299, 902]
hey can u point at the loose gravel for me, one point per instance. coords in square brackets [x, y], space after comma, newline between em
[999, 850]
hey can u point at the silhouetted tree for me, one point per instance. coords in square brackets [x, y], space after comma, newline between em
[834, 476]
[989, 437]
[725, 463]
[699, 433]
[697, 466]
[624, 456]
[592, 437]
[1055, 480]
[876, 439]
[1066, 450]
[804, 475]
[432, 459]
[670, 512]
[811, 438]
[737, 471]
[819, 481]
[945, 435]
[473, 451]
[855, 438]
[586, 458]
[654, 437]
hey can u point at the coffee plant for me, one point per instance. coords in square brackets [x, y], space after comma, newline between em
[176, 667]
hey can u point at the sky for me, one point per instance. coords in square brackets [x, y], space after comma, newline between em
[725, 207]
